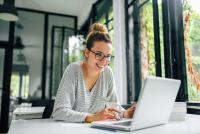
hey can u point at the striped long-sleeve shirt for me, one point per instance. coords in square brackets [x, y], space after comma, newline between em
[73, 102]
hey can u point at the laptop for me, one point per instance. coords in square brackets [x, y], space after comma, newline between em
[153, 108]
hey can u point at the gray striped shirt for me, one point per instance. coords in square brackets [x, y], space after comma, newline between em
[73, 102]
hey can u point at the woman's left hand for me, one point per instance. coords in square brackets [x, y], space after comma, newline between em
[129, 112]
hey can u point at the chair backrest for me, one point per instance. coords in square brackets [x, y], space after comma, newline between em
[48, 109]
[48, 104]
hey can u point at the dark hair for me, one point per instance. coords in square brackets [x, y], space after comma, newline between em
[98, 32]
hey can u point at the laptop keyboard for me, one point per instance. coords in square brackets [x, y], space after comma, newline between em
[126, 123]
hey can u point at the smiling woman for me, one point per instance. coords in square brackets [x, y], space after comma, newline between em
[87, 86]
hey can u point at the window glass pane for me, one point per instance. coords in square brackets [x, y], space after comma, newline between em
[27, 60]
[15, 78]
[147, 40]
[192, 41]
[72, 47]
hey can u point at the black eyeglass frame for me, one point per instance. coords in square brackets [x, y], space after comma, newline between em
[108, 58]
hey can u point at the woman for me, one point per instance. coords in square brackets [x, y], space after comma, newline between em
[87, 87]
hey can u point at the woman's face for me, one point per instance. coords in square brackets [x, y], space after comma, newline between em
[97, 55]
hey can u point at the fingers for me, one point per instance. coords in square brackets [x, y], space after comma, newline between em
[111, 113]
[133, 106]
[113, 110]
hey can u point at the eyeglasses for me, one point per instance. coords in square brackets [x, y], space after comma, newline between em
[100, 56]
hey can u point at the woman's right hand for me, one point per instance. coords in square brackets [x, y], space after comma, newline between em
[105, 114]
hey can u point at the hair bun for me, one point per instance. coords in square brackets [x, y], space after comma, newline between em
[98, 27]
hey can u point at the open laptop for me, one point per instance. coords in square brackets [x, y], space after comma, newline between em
[153, 108]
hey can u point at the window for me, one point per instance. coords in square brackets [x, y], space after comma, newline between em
[20, 81]
[155, 45]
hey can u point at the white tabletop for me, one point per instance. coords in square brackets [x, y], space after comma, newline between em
[47, 126]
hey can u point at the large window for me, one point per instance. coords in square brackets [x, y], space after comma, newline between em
[155, 46]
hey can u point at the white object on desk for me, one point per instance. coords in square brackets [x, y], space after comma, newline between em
[26, 105]
[179, 111]
[28, 113]
[48, 126]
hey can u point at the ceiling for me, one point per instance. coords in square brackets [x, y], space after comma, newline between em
[79, 8]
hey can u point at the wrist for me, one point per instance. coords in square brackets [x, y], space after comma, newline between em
[89, 118]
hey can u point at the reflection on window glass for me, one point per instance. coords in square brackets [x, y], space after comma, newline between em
[192, 47]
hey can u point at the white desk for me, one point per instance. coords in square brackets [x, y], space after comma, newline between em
[47, 126]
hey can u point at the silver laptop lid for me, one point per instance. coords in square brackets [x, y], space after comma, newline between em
[155, 102]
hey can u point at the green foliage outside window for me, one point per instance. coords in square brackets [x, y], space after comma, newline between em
[193, 42]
